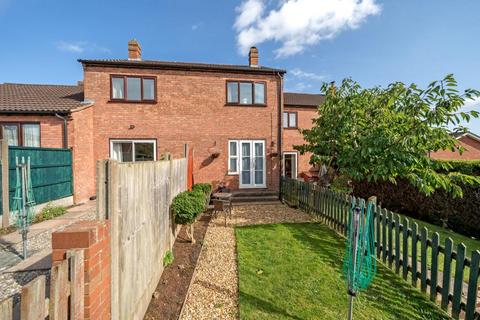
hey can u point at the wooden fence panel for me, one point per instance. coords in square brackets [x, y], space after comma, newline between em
[458, 283]
[397, 243]
[139, 196]
[447, 270]
[414, 254]
[423, 259]
[32, 304]
[434, 267]
[473, 285]
[6, 309]
[405, 248]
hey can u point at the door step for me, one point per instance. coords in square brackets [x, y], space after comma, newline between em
[254, 196]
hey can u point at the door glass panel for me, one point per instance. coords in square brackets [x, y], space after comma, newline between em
[144, 151]
[246, 166]
[258, 177]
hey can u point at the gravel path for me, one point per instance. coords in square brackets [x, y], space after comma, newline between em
[12, 282]
[214, 290]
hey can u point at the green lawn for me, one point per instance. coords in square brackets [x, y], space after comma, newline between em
[294, 271]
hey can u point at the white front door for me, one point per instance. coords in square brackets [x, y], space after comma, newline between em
[252, 164]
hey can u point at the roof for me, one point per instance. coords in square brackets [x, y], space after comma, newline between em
[467, 134]
[173, 65]
[303, 99]
[39, 98]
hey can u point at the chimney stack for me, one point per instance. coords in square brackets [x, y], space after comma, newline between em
[134, 50]
[253, 57]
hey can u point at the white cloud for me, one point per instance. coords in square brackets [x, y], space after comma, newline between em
[298, 73]
[196, 26]
[77, 47]
[472, 104]
[297, 24]
[80, 47]
[301, 86]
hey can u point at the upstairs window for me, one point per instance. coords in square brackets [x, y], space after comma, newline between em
[245, 93]
[133, 88]
[290, 120]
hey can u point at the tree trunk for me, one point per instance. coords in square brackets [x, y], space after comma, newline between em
[190, 234]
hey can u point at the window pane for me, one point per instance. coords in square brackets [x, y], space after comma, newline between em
[285, 119]
[144, 151]
[258, 177]
[10, 133]
[232, 92]
[233, 165]
[117, 88]
[260, 93]
[31, 135]
[122, 151]
[245, 93]
[133, 89]
[233, 148]
[148, 89]
[293, 120]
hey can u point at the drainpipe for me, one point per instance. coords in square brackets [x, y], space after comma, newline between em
[65, 131]
[280, 129]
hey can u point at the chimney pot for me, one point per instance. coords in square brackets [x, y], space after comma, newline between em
[134, 50]
[253, 57]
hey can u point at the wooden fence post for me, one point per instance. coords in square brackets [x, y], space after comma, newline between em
[5, 186]
[59, 291]
[473, 285]
[102, 194]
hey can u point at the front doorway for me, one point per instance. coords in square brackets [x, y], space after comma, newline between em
[252, 164]
[290, 163]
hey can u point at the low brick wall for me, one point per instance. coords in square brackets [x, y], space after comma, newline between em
[94, 238]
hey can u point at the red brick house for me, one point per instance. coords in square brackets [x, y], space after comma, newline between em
[469, 141]
[137, 110]
[298, 112]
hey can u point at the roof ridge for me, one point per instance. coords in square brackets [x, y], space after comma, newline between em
[39, 84]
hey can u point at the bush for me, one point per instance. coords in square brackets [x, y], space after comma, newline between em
[459, 214]
[187, 205]
[49, 212]
[205, 188]
[470, 167]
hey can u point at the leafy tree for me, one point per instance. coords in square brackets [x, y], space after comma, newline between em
[383, 134]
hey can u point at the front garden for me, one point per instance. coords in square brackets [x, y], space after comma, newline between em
[294, 271]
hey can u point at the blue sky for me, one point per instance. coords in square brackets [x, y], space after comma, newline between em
[374, 42]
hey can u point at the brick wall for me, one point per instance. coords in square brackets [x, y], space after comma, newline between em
[81, 140]
[51, 128]
[293, 137]
[94, 237]
[472, 151]
[191, 109]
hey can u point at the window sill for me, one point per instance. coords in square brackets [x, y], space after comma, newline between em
[245, 105]
[130, 101]
[290, 128]
[232, 174]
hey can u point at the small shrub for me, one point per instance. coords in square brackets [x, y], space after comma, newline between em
[168, 258]
[187, 205]
[206, 188]
[49, 212]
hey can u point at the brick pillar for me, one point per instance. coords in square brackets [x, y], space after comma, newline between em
[94, 237]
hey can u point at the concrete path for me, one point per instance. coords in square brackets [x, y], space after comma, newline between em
[14, 271]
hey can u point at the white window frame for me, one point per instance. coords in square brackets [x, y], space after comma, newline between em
[133, 141]
[296, 162]
[233, 173]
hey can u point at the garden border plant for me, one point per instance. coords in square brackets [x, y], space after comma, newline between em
[188, 205]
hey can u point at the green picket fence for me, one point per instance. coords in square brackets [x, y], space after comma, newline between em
[50, 170]
[442, 271]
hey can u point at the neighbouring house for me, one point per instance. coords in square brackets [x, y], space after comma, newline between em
[299, 110]
[471, 144]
